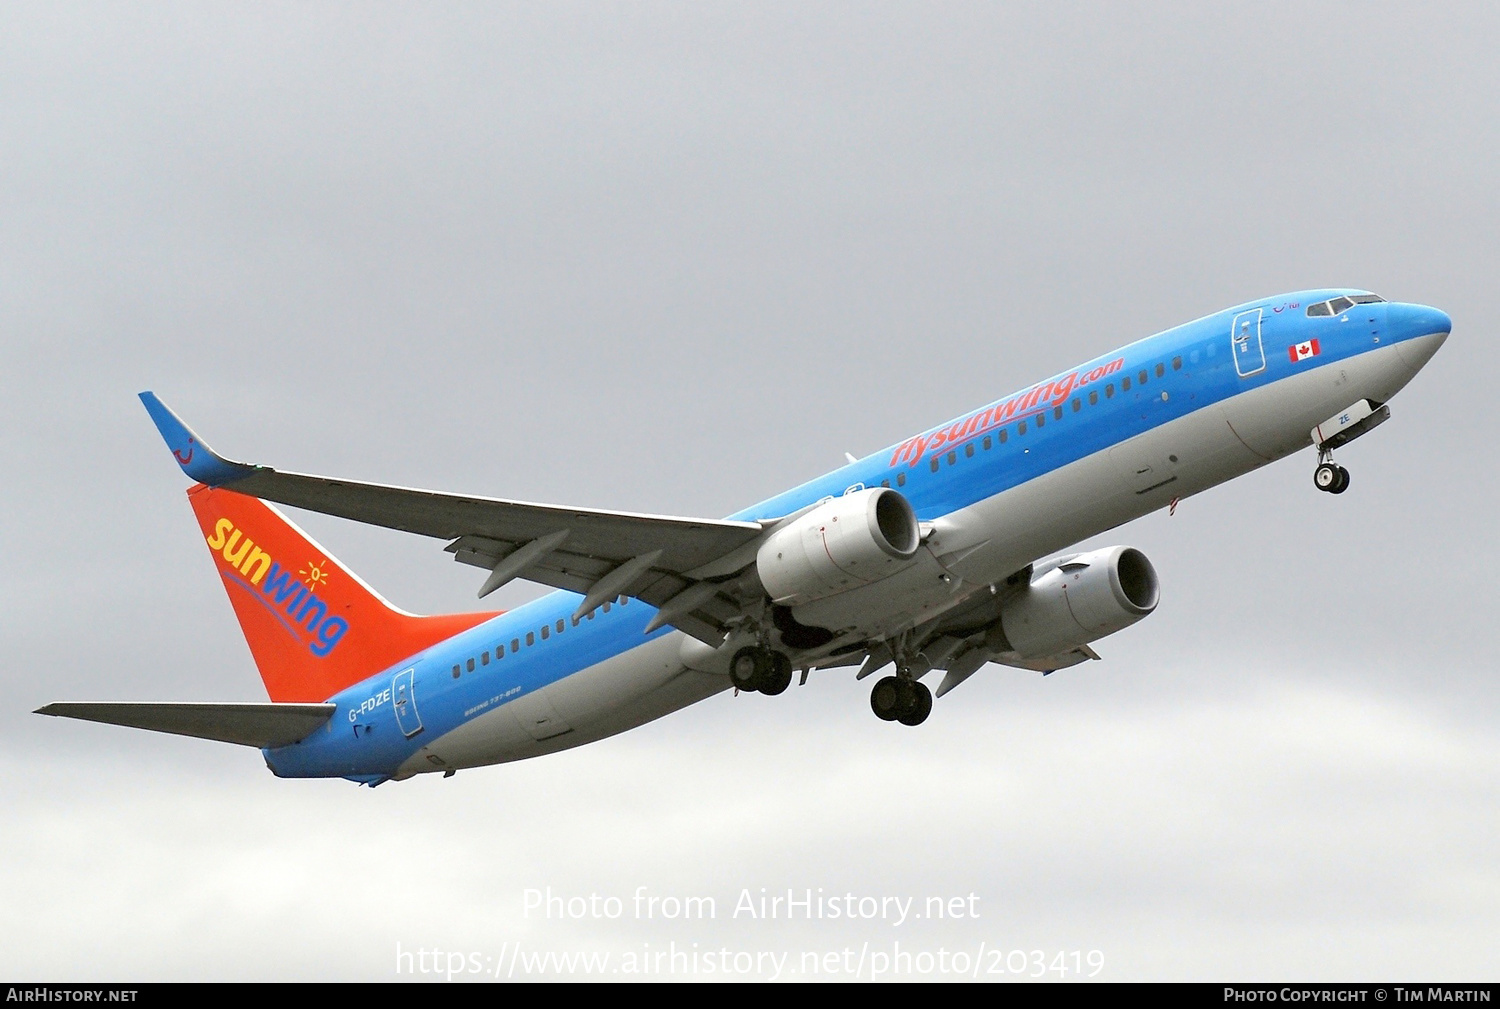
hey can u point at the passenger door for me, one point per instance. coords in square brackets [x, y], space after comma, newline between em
[405, 701]
[1244, 341]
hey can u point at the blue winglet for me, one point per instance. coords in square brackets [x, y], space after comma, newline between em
[197, 460]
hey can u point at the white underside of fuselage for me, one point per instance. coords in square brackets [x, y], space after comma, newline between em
[1186, 456]
[974, 547]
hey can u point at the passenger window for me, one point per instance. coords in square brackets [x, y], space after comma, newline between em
[1077, 404]
[952, 458]
[1057, 413]
[936, 462]
[484, 658]
[545, 632]
[471, 665]
[1339, 304]
[1125, 384]
[1004, 435]
[560, 626]
[1021, 428]
[1041, 420]
[530, 638]
[900, 479]
[988, 443]
[515, 644]
[499, 651]
[1176, 364]
[1160, 370]
[1093, 397]
[574, 618]
[885, 483]
[1109, 391]
[455, 672]
[969, 450]
[1141, 378]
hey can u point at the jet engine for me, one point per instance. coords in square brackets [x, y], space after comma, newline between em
[840, 544]
[1081, 600]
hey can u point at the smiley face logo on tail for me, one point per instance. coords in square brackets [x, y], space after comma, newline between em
[184, 459]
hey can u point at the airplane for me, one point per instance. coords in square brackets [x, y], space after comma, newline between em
[938, 553]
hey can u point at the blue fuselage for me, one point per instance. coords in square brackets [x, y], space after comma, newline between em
[1037, 431]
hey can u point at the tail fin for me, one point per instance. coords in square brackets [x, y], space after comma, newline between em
[313, 627]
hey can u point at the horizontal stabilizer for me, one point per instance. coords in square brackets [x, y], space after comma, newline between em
[258, 725]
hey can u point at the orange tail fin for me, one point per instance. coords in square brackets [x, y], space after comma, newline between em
[313, 627]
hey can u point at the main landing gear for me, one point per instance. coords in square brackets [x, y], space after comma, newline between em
[760, 669]
[901, 698]
[1330, 478]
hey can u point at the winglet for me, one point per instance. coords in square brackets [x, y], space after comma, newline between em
[197, 460]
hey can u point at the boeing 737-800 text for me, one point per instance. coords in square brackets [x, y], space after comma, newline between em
[923, 557]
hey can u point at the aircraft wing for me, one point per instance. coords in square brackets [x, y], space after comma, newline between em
[678, 565]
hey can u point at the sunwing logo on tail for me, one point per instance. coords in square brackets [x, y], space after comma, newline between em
[293, 602]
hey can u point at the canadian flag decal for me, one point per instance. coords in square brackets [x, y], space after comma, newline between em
[1302, 351]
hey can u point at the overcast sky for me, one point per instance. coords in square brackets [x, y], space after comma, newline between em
[675, 259]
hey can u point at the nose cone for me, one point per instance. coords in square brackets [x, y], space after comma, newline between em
[1407, 322]
[1418, 331]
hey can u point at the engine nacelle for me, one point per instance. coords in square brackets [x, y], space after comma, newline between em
[1081, 600]
[843, 543]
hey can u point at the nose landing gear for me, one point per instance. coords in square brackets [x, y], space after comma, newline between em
[1330, 478]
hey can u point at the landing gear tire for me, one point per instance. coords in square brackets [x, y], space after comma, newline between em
[1343, 482]
[885, 699]
[777, 675]
[760, 670]
[898, 699]
[1326, 477]
[920, 709]
[745, 668]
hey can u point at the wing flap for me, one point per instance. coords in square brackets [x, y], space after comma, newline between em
[1048, 663]
[258, 725]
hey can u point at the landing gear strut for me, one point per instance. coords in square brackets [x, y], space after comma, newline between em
[760, 669]
[901, 699]
[1328, 477]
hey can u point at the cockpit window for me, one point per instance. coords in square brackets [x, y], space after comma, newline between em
[1338, 305]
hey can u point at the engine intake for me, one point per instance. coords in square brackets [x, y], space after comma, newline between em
[1083, 599]
[841, 544]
